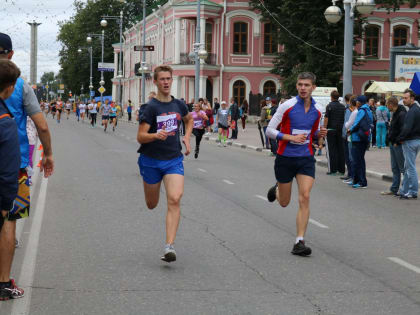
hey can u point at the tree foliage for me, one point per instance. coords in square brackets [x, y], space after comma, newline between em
[321, 47]
[75, 66]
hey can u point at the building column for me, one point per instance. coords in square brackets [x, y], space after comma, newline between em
[203, 86]
[216, 88]
[177, 38]
[191, 92]
[176, 84]
[202, 35]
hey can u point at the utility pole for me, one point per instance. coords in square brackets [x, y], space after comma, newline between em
[197, 48]
[34, 51]
[143, 77]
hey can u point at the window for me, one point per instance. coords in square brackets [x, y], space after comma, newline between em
[269, 88]
[269, 45]
[209, 37]
[240, 38]
[400, 35]
[239, 91]
[372, 41]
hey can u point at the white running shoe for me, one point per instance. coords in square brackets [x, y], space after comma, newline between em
[169, 253]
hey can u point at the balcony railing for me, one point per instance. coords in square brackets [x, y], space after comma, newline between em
[186, 60]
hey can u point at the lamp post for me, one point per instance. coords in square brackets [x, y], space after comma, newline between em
[90, 77]
[104, 23]
[89, 40]
[143, 61]
[199, 52]
[333, 15]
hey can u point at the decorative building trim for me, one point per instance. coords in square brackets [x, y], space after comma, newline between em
[266, 79]
[252, 15]
[247, 85]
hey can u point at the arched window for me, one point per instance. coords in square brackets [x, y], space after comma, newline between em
[269, 45]
[400, 35]
[239, 90]
[240, 38]
[372, 41]
[269, 88]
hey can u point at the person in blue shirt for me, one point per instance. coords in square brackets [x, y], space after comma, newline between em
[161, 157]
[382, 124]
[129, 110]
[360, 138]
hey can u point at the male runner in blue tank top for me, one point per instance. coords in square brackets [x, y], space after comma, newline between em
[161, 152]
[295, 125]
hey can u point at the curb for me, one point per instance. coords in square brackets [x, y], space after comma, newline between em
[372, 174]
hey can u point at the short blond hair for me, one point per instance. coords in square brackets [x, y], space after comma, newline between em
[162, 68]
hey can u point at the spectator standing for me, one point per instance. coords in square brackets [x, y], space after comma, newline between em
[265, 118]
[372, 108]
[410, 139]
[216, 108]
[234, 116]
[334, 121]
[382, 124]
[361, 137]
[129, 110]
[347, 156]
[243, 111]
[395, 148]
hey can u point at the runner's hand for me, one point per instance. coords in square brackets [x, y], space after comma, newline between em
[300, 138]
[162, 134]
[47, 166]
[187, 145]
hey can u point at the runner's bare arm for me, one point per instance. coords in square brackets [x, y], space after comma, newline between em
[143, 135]
[41, 125]
[189, 123]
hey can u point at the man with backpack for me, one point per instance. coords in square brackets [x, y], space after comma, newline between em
[361, 137]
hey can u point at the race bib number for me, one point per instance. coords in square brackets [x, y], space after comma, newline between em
[198, 123]
[299, 132]
[168, 121]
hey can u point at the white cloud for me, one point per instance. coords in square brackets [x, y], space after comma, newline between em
[15, 14]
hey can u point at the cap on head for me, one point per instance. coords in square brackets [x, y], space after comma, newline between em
[6, 42]
[361, 99]
[268, 98]
[223, 102]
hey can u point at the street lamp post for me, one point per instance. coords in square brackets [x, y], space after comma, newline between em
[89, 40]
[143, 62]
[333, 15]
[91, 75]
[104, 23]
[199, 52]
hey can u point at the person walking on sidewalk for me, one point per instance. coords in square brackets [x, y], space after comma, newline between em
[333, 121]
[234, 116]
[410, 139]
[295, 124]
[129, 110]
[347, 156]
[199, 117]
[382, 124]
[243, 112]
[265, 118]
[395, 148]
[372, 108]
[161, 156]
[360, 138]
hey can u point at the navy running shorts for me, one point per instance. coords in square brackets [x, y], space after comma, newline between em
[105, 117]
[153, 170]
[286, 167]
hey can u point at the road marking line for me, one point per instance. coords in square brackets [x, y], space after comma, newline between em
[26, 278]
[228, 182]
[202, 170]
[261, 197]
[319, 224]
[405, 264]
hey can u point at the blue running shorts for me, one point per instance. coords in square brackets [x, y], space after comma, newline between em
[153, 170]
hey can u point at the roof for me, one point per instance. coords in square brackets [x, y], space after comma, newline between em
[387, 87]
[194, 3]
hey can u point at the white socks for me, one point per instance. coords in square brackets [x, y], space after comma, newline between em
[299, 238]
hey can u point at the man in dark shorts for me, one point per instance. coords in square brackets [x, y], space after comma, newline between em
[161, 152]
[295, 125]
[104, 110]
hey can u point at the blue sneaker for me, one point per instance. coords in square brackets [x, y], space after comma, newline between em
[350, 183]
[358, 186]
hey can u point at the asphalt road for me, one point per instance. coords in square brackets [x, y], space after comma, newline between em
[93, 247]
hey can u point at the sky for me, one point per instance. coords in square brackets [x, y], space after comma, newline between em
[15, 14]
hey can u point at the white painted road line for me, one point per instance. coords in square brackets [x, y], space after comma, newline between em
[318, 224]
[228, 182]
[405, 264]
[261, 197]
[202, 170]
[26, 279]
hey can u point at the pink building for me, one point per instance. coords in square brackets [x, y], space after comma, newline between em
[383, 31]
[240, 50]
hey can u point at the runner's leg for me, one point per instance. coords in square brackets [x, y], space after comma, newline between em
[305, 184]
[151, 194]
[174, 186]
[284, 193]
[7, 248]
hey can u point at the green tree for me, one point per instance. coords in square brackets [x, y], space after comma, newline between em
[75, 66]
[320, 46]
[47, 77]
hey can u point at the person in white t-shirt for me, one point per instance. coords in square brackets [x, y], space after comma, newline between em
[82, 110]
[93, 110]
[68, 109]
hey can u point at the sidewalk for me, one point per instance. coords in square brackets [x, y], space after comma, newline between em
[378, 163]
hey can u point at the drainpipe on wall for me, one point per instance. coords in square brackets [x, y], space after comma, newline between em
[222, 66]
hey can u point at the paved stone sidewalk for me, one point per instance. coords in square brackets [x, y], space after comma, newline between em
[377, 160]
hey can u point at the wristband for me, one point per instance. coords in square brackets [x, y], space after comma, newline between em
[279, 136]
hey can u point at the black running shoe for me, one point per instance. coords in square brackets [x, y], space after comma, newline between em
[301, 249]
[271, 195]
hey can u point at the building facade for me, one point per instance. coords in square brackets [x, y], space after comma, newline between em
[384, 30]
[240, 51]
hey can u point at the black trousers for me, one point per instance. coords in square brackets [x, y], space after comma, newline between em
[129, 116]
[198, 133]
[358, 152]
[93, 119]
[335, 151]
[235, 131]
